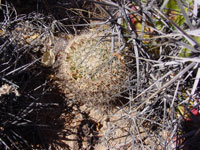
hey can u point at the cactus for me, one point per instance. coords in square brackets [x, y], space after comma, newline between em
[88, 71]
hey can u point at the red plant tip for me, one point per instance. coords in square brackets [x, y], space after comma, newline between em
[195, 112]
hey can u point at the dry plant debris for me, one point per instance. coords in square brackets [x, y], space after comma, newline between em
[144, 63]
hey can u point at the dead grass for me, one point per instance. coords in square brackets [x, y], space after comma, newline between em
[130, 82]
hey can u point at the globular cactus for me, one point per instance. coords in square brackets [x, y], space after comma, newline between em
[88, 71]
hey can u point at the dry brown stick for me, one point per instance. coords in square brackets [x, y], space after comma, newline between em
[168, 83]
